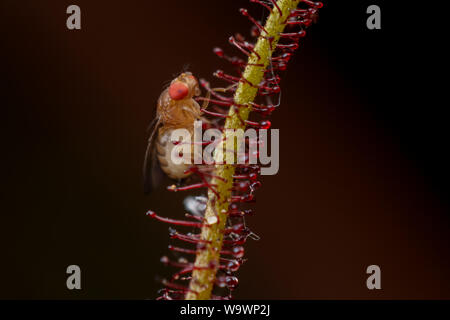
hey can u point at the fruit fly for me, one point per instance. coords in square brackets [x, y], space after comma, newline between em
[176, 108]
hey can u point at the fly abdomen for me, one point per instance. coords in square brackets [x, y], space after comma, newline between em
[164, 148]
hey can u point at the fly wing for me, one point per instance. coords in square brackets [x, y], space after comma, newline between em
[152, 171]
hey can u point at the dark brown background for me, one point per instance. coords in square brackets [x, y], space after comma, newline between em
[363, 170]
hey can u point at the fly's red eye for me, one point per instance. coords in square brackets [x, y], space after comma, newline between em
[178, 90]
[192, 77]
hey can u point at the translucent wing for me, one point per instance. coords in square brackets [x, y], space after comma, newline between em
[151, 170]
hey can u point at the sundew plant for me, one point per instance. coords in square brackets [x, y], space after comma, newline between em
[215, 251]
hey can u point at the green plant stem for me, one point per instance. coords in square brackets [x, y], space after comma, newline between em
[207, 260]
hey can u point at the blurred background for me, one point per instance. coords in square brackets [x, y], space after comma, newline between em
[363, 167]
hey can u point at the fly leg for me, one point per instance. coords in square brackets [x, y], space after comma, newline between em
[208, 94]
[206, 100]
